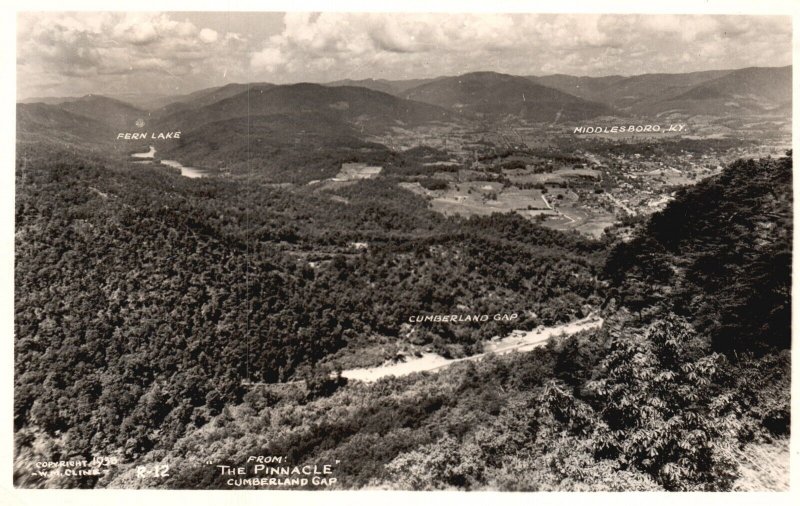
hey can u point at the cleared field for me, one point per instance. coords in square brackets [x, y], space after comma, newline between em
[480, 198]
[672, 177]
[591, 223]
[532, 178]
[353, 171]
[557, 176]
[582, 173]
[560, 207]
[596, 226]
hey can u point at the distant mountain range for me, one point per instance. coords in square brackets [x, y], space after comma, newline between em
[104, 113]
[493, 95]
[714, 92]
[45, 122]
[384, 85]
[205, 97]
[357, 109]
[112, 112]
[752, 90]
[95, 117]
[354, 105]
[622, 92]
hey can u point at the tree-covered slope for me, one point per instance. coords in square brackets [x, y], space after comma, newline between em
[653, 401]
[720, 254]
[145, 301]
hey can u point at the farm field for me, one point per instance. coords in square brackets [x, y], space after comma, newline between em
[477, 198]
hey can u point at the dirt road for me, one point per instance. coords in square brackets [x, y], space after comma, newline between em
[517, 341]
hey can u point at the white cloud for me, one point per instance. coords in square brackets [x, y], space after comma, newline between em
[208, 35]
[147, 51]
[267, 59]
[412, 45]
[92, 52]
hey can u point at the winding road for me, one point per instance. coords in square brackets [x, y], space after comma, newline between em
[517, 341]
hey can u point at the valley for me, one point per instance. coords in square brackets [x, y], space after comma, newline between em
[473, 144]
[268, 282]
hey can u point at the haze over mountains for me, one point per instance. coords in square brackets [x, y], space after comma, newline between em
[89, 117]
[42, 122]
[751, 90]
[377, 105]
[621, 92]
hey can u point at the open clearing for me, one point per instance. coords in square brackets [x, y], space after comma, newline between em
[480, 198]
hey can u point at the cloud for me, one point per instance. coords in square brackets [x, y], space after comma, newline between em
[149, 51]
[166, 52]
[208, 35]
[330, 46]
[267, 59]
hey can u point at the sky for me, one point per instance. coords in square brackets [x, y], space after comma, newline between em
[73, 54]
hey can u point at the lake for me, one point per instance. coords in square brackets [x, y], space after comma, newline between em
[190, 172]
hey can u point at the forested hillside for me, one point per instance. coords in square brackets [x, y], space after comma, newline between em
[297, 148]
[145, 300]
[721, 255]
[345, 251]
[653, 401]
[494, 95]
[368, 108]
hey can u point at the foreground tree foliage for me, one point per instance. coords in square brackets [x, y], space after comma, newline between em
[720, 254]
[146, 302]
[143, 300]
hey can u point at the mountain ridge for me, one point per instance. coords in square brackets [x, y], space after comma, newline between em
[493, 94]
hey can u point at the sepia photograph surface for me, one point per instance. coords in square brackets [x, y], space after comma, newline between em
[402, 251]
